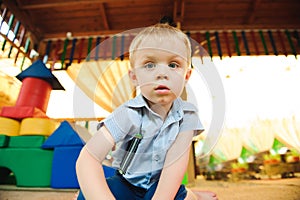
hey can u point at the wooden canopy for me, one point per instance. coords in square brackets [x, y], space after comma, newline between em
[222, 27]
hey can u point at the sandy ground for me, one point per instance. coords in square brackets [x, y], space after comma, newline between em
[285, 189]
[275, 189]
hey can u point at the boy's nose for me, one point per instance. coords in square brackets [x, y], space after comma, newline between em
[162, 76]
[162, 72]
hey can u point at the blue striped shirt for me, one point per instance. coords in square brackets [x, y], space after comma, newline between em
[134, 117]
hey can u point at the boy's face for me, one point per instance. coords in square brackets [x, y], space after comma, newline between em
[161, 70]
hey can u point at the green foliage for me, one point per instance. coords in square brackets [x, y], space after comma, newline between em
[239, 165]
[272, 157]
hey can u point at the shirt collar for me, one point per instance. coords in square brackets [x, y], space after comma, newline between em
[177, 110]
[137, 102]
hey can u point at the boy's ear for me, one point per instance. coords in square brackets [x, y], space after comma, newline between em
[188, 74]
[133, 78]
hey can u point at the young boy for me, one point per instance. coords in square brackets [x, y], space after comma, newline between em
[157, 123]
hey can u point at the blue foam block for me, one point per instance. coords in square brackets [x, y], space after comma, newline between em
[63, 136]
[63, 167]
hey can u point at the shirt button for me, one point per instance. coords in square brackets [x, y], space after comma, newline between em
[156, 157]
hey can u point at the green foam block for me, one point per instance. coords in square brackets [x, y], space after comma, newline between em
[26, 141]
[31, 166]
[3, 140]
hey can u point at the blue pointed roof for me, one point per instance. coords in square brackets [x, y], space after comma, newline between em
[39, 70]
[64, 135]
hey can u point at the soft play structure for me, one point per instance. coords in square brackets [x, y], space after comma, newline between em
[25, 129]
[41, 161]
[36, 151]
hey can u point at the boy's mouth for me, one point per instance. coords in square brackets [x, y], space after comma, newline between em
[162, 89]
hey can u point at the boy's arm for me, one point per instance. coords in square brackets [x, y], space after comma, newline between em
[174, 168]
[89, 170]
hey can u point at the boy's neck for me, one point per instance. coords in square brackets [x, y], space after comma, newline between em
[161, 110]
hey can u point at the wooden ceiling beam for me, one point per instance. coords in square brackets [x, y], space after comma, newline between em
[212, 27]
[191, 29]
[178, 12]
[104, 17]
[251, 12]
[83, 34]
[66, 4]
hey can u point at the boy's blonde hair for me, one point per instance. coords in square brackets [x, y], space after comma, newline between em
[160, 32]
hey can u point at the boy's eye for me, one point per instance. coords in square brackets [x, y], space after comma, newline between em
[173, 65]
[150, 65]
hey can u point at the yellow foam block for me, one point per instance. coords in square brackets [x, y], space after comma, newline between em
[9, 127]
[37, 126]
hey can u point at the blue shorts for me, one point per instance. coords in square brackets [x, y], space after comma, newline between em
[123, 190]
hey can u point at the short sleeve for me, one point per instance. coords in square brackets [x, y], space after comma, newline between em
[191, 121]
[122, 121]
